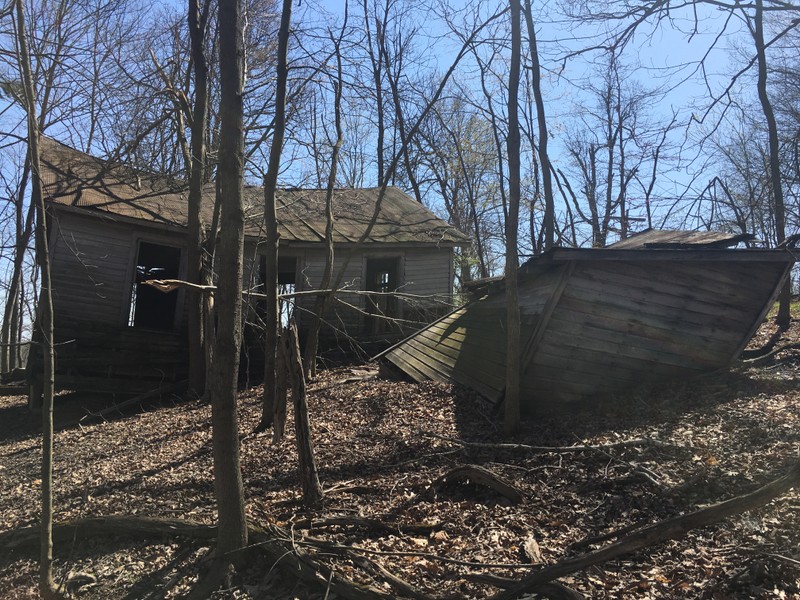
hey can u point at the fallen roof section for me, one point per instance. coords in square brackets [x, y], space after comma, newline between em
[599, 322]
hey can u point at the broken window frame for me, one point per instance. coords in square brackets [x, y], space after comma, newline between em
[172, 301]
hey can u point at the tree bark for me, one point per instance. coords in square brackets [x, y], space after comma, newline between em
[321, 302]
[197, 31]
[271, 221]
[544, 158]
[224, 368]
[312, 490]
[44, 317]
[9, 352]
[512, 411]
[779, 208]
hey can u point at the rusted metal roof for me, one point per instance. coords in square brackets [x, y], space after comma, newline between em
[72, 178]
[601, 322]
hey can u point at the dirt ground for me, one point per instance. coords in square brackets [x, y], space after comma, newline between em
[381, 444]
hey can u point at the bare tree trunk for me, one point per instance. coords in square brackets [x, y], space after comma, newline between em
[321, 303]
[544, 159]
[197, 30]
[44, 320]
[232, 524]
[312, 490]
[271, 221]
[784, 315]
[281, 387]
[512, 410]
[377, 69]
[8, 351]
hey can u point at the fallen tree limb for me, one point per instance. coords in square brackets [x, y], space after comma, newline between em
[100, 415]
[764, 357]
[755, 353]
[657, 533]
[401, 585]
[639, 442]
[479, 475]
[275, 543]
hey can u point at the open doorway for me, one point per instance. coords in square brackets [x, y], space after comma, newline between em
[382, 279]
[151, 308]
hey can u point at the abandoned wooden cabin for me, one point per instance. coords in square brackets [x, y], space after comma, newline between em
[599, 322]
[113, 227]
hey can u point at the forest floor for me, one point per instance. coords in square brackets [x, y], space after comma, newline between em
[381, 444]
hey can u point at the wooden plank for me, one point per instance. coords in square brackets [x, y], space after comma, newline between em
[467, 361]
[624, 308]
[762, 314]
[650, 293]
[699, 285]
[675, 342]
[439, 372]
[529, 349]
[454, 363]
[592, 358]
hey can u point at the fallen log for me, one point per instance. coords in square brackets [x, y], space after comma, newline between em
[657, 533]
[481, 476]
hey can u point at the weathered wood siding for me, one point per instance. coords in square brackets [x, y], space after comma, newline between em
[596, 327]
[93, 268]
[469, 345]
[425, 272]
[621, 324]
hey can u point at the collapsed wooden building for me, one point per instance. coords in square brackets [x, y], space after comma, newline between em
[598, 322]
[113, 227]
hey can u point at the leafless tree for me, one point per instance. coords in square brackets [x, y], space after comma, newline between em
[511, 420]
[222, 379]
[44, 320]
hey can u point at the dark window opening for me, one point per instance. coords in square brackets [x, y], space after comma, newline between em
[382, 279]
[150, 307]
[287, 284]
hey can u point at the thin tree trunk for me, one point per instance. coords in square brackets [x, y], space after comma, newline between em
[197, 365]
[377, 69]
[512, 410]
[8, 352]
[544, 159]
[281, 387]
[321, 303]
[271, 222]
[222, 388]
[779, 208]
[44, 321]
[312, 490]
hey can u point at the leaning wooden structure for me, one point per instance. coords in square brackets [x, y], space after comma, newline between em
[598, 322]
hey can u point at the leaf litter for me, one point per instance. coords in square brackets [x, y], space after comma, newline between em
[382, 447]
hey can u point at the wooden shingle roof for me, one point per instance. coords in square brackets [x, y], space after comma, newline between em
[73, 178]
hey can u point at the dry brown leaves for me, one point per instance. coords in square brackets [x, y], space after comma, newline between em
[379, 446]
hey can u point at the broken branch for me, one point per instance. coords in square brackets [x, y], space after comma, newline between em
[657, 533]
